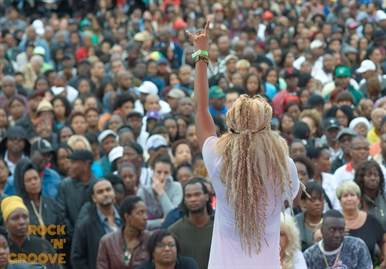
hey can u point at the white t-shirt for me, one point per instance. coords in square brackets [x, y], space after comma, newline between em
[226, 251]
[299, 261]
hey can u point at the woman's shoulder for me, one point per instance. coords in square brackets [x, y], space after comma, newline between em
[186, 263]
[145, 265]
[111, 236]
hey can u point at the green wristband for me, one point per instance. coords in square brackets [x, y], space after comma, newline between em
[200, 52]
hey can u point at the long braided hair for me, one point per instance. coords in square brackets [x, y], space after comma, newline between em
[254, 162]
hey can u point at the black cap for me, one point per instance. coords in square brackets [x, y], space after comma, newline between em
[291, 72]
[330, 123]
[8, 70]
[67, 56]
[134, 113]
[35, 93]
[314, 100]
[301, 130]
[42, 146]
[84, 60]
[81, 155]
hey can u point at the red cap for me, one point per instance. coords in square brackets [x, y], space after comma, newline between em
[291, 98]
[179, 23]
[267, 15]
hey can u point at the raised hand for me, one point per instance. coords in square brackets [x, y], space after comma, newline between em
[201, 39]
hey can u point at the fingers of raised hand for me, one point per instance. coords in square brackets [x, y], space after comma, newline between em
[207, 27]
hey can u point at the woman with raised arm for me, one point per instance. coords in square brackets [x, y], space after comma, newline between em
[251, 173]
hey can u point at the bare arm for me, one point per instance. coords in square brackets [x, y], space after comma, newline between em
[204, 122]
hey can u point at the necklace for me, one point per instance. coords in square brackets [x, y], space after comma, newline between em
[127, 251]
[314, 224]
[336, 259]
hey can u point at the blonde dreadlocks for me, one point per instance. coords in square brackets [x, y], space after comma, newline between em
[254, 161]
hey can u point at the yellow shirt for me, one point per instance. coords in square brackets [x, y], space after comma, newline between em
[372, 137]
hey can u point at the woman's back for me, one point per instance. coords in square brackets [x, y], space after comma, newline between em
[226, 251]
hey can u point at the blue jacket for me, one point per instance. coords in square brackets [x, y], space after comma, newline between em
[50, 184]
[39, 42]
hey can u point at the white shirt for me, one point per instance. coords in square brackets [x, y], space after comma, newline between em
[165, 107]
[71, 95]
[11, 165]
[145, 177]
[226, 251]
[142, 138]
[321, 75]
[299, 261]
[329, 185]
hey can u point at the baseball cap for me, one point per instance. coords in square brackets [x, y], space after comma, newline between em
[84, 61]
[217, 7]
[316, 44]
[342, 71]
[361, 16]
[230, 56]
[42, 146]
[148, 87]
[163, 61]
[330, 123]
[71, 21]
[134, 113]
[39, 27]
[348, 49]
[291, 73]
[267, 15]
[8, 70]
[85, 22]
[179, 24]
[301, 130]
[16, 132]
[153, 115]
[34, 94]
[67, 56]
[44, 105]
[115, 153]
[176, 93]
[140, 37]
[346, 131]
[105, 134]
[81, 155]
[39, 51]
[216, 92]
[155, 141]
[366, 65]
[314, 100]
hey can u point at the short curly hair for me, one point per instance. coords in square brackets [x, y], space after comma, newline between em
[312, 114]
[360, 175]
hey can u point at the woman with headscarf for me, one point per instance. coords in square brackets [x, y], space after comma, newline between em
[254, 157]
[28, 185]
[16, 220]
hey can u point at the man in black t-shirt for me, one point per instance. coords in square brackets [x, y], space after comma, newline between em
[337, 250]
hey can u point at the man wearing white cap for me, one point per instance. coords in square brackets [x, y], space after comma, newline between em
[107, 141]
[317, 48]
[146, 88]
[368, 70]
[172, 98]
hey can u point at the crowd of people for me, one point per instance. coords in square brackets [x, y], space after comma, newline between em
[99, 138]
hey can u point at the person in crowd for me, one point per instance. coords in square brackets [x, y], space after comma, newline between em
[374, 133]
[181, 152]
[14, 146]
[297, 148]
[225, 168]
[126, 247]
[103, 218]
[290, 250]
[59, 161]
[336, 248]
[133, 153]
[358, 223]
[370, 179]
[164, 250]
[312, 213]
[162, 195]
[305, 168]
[344, 138]
[28, 185]
[107, 140]
[197, 225]
[127, 172]
[75, 191]
[322, 164]
[16, 220]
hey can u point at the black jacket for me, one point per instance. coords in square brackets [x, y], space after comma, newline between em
[85, 245]
[71, 197]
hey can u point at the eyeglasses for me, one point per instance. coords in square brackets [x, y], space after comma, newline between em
[163, 246]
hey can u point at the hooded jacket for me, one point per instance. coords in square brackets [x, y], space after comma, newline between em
[50, 210]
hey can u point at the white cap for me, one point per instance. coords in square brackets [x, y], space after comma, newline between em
[57, 90]
[297, 64]
[105, 134]
[115, 153]
[148, 87]
[39, 27]
[381, 15]
[316, 44]
[366, 65]
[155, 141]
